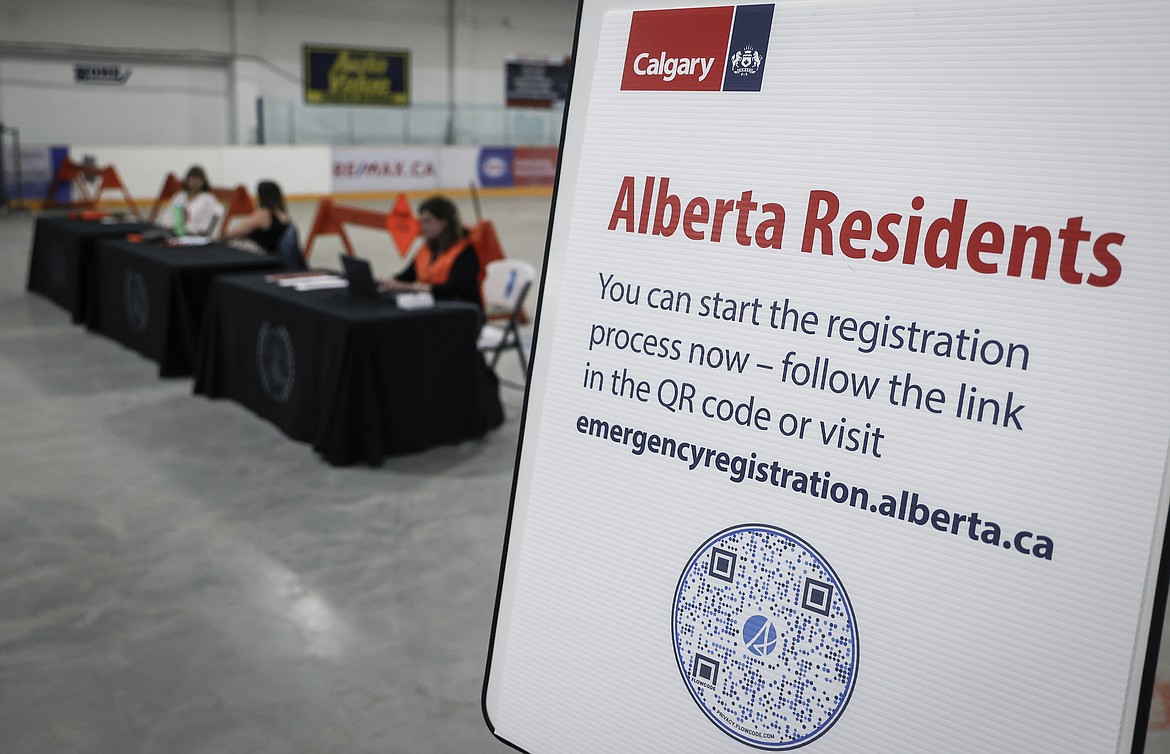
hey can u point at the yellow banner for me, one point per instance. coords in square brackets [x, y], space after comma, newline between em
[356, 76]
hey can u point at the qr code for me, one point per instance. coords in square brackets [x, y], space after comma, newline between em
[765, 637]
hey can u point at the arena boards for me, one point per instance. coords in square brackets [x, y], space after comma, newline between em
[847, 424]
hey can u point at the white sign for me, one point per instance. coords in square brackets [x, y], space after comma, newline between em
[96, 73]
[847, 424]
[381, 169]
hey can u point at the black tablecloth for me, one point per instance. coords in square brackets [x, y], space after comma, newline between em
[355, 377]
[59, 265]
[151, 297]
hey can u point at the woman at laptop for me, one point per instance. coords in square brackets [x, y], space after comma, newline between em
[446, 266]
[194, 211]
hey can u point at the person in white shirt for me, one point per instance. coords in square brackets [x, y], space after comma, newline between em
[193, 211]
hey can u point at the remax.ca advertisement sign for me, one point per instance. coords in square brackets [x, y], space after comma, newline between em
[381, 169]
[846, 427]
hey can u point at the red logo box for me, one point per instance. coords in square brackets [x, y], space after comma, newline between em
[681, 50]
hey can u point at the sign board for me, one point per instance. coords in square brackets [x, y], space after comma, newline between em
[94, 73]
[534, 83]
[517, 166]
[27, 174]
[847, 425]
[356, 76]
[380, 169]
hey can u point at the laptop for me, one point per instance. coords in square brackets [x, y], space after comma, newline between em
[361, 279]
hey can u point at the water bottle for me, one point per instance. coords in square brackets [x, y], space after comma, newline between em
[180, 224]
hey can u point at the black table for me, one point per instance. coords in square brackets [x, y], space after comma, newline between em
[356, 378]
[151, 297]
[62, 249]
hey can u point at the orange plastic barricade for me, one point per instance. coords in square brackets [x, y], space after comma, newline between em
[402, 224]
[332, 218]
[236, 201]
[487, 245]
[488, 249]
[79, 175]
[171, 186]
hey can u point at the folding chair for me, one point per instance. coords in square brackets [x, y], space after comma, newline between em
[505, 287]
[289, 251]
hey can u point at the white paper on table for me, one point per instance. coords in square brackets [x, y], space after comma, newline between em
[322, 283]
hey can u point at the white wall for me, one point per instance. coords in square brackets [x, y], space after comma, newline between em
[156, 104]
[150, 24]
[256, 44]
[490, 33]
[300, 170]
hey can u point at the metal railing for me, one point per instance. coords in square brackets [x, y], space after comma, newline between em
[282, 121]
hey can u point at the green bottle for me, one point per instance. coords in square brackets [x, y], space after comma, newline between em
[180, 221]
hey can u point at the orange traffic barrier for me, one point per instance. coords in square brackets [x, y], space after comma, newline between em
[171, 186]
[487, 245]
[80, 175]
[235, 200]
[400, 223]
[332, 218]
[402, 226]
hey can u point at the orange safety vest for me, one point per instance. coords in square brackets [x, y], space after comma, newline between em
[436, 271]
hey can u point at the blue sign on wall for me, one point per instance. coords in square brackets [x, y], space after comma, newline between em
[495, 167]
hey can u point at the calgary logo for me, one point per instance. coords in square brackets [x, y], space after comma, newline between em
[686, 49]
[746, 61]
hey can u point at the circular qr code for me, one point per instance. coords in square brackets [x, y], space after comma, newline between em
[765, 637]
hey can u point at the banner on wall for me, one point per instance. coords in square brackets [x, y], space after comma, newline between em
[380, 169]
[37, 167]
[534, 166]
[356, 76]
[495, 167]
[95, 73]
[517, 166]
[536, 83]
[847, 425]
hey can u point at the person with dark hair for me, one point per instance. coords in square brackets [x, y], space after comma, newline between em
[446, 265]
[267, 225]
[194, 210]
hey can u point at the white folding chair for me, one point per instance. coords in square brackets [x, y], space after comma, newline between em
[505, 286]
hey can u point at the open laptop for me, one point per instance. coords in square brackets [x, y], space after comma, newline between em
[361, 279]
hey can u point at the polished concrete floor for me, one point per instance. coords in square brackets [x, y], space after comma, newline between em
[177, 577]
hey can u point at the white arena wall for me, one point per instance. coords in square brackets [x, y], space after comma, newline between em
[303, 172]
[198, 68]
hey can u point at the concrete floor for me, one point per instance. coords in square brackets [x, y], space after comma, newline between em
[177, 577]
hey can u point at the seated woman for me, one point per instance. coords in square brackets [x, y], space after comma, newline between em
[446, 266]
[267, 225]
[193, 211]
